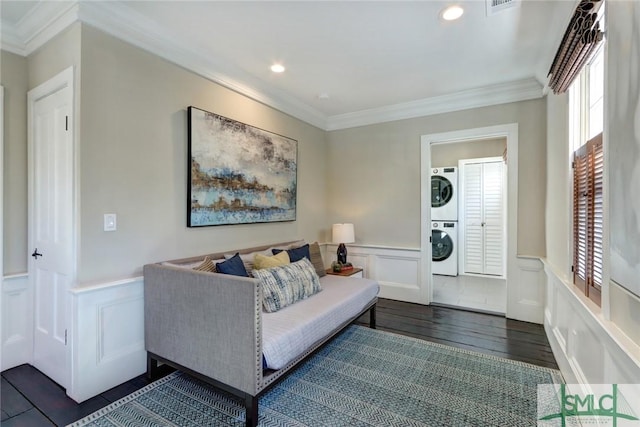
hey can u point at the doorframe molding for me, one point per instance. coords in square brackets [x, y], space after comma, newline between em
[508, 131]
[64, 79]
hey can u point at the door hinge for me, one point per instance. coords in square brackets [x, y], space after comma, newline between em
[66, 123]
[573, 165]
[572, 269]
[65, 337]
[430, 239]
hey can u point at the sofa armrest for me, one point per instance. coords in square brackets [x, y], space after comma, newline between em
[207, 322]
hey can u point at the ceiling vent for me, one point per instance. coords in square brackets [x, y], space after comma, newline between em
[497, 6]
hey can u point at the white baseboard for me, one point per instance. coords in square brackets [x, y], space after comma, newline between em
[107, 337]
[588, 348]
[17, 321]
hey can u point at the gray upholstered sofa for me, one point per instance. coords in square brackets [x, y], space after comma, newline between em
[213, 327]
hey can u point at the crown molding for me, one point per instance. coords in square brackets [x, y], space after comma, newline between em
[10, 40]
[502, 93]
[43, 22]
[120, 21]
[49, 18]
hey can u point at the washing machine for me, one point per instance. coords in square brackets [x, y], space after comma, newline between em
[444, 194]
[444, 249]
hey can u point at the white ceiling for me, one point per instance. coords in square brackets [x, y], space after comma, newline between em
[375, 60]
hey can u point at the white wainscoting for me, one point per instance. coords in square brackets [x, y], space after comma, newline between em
[588, 348]
[397, 270]
[526, 294]
[107, 336]
[17, 321]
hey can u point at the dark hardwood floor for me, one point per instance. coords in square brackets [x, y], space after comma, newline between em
[29, 398]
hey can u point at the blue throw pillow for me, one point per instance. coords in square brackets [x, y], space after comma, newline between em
[295, 254]
[233, 265]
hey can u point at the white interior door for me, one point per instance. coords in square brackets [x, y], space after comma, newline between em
[483, 211]
[50, 229]
[473, 219]
[494, 241]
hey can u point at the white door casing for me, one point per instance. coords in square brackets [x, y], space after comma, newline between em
[516, 309]
[51, 219]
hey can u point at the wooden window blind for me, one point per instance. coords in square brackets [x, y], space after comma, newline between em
[588, 164]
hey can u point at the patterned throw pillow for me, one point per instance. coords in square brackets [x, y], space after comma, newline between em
[284, 285]
[207, 265]
[262, 261]
[316, 259]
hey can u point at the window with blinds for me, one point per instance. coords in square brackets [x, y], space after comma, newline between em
[588, 164]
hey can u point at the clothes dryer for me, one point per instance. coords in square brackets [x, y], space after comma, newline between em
[444, 194]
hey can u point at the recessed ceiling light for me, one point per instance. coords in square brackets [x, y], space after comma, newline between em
[452, 13]
[277, 68]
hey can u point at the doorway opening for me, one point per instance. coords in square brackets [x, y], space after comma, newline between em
[469, 239]
[480, 233]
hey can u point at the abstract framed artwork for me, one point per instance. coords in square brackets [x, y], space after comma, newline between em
[238, 174]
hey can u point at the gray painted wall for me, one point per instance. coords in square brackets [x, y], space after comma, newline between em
[131, 134]
[375, 173]
[623, 152]
[448, 154]
[559, 196]
[13, 77]
[134, 162]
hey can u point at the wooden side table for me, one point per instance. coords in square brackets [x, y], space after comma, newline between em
[354, 272]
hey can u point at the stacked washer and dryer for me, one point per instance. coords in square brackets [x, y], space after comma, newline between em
[444, 220]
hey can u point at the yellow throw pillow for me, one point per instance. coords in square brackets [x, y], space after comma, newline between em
[263, 261]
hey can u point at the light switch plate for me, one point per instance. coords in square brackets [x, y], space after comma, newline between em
[110, 222]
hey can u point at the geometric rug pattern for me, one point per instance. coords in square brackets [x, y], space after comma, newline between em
[363, 377]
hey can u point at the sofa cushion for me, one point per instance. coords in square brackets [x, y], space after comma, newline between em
[295, 254]
[233, 265]
[206, 265]
[316, 259]
[248, 258]
[286, 284]
[262, 261]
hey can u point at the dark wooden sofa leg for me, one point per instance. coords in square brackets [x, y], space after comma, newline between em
[251, 405]
[372, 317]
[152, 367]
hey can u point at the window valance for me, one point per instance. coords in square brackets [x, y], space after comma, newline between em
[580, 41]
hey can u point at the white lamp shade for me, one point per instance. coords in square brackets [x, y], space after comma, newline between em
[343, 233]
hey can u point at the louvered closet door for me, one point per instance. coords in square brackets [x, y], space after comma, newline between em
[492, 186]
[473, 249]
[483, 218]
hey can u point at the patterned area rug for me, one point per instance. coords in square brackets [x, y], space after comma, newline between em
[364, 377]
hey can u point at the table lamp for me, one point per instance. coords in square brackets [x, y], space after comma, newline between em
[342, 233]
